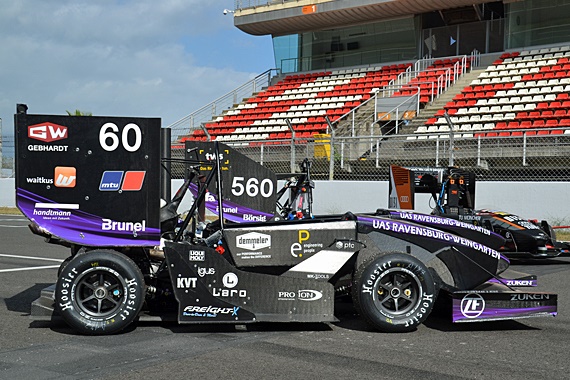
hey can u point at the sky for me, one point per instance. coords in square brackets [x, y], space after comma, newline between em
[143, 58]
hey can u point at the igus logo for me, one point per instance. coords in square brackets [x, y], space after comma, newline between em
[64, 176]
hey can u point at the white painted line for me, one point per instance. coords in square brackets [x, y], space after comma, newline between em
[1, 225]
[31, 258]
[63, 206]
[29, 268]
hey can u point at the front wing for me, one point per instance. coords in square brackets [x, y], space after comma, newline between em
[495, 302]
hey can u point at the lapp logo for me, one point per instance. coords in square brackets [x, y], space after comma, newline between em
[47, 132]
[114, 181]
[64, 176]
[472, 305]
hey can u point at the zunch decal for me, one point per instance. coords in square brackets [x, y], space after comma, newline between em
[64, 176]
[47, 132]
[529, 297]
[472, 305]
[253, 241]
[111, 225]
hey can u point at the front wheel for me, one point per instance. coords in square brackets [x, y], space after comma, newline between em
[394, 292]
[99, 292]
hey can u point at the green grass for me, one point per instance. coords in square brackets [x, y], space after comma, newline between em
[10, 211]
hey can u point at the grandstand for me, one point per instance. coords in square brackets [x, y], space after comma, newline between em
[363, 84]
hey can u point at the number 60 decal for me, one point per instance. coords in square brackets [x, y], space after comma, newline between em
[252, 187]
[109, 137]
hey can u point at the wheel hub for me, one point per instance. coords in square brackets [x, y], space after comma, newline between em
[100, 292]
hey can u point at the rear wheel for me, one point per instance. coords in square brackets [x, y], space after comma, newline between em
[99, 292]
[394, 292]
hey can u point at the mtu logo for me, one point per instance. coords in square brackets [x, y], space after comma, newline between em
[122, 181]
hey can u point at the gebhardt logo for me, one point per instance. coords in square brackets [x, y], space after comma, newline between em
[47, 132]
[253, 241]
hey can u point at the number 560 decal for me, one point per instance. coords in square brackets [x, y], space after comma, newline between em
[252, 187]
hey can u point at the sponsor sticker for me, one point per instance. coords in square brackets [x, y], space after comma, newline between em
[116, 180]
[472, 305]
[65, 176]
[253, 241]
[47, 132]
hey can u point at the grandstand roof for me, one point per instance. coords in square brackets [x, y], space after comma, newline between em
[296, 17]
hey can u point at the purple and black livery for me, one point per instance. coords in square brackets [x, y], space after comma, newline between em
[94, 184]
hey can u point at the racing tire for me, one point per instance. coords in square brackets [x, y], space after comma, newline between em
[393, 292]
[99, 292]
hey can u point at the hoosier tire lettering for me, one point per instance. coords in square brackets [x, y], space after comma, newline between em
[394, 292]
[99, 292]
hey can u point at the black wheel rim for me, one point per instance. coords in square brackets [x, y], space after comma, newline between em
[397, 291]
[100, 292]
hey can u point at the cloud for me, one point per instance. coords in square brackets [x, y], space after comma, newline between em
[127, 58]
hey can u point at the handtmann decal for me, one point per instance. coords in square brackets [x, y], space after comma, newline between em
[404, 228]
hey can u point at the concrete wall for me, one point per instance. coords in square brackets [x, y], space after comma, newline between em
[532, 200]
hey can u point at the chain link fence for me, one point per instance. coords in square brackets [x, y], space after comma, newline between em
[529, 157]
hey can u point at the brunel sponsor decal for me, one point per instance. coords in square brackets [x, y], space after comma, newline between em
[253, 241]
[111, 225]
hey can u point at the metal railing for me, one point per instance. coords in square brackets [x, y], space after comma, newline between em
[189, 123]
[529, 157]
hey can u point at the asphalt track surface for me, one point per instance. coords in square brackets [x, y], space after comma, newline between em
[537, 348]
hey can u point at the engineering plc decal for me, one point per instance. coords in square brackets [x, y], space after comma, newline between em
[300, 248]
[472, 305]
[118, 180]
[64, 176]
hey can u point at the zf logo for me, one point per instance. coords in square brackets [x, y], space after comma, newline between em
[64, 176]
[472, 305]
[114, 181]
[47, 132]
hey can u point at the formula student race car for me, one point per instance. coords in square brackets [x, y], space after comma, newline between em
[453, 190]
[96, 185]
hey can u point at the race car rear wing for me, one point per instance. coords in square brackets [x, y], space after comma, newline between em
[453, 189]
